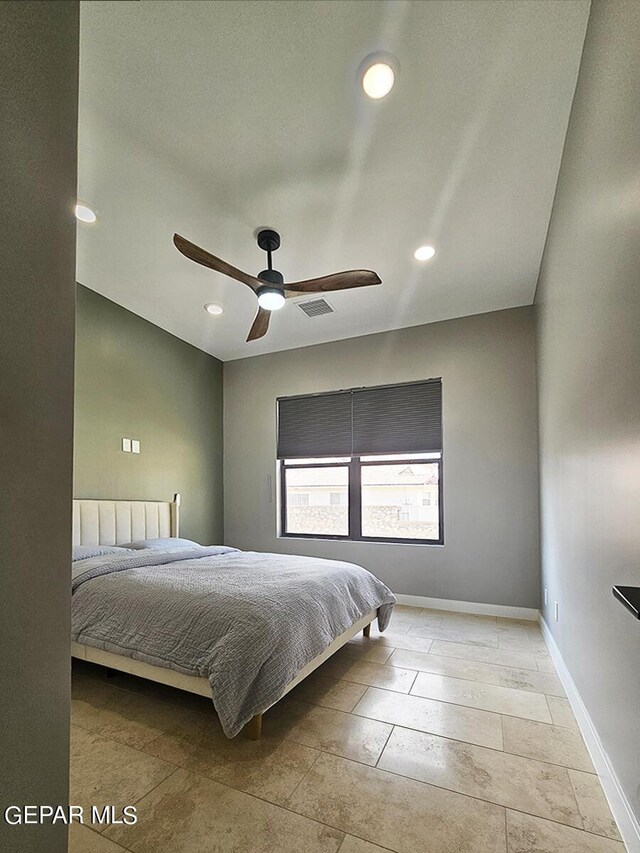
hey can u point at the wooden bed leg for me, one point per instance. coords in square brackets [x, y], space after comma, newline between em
[254, 727]
[366, 630]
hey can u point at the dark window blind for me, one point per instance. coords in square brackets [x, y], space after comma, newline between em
[403, 418]
[398, 419]
[314, 426]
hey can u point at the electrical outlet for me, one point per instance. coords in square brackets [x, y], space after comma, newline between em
[126, 445]
[555, 611]
[546, 597]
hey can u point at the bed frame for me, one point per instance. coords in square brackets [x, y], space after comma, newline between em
[98, 522]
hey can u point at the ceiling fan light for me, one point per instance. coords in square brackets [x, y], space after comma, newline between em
[270, 298]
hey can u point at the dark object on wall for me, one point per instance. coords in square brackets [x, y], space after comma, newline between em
[270, 282]
[630, 597]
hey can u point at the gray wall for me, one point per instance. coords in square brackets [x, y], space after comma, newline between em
[135, 380]
[588, 306]
[38, 105]
[487, 365]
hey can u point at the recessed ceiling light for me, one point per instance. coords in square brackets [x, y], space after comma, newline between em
[378, 80]
[212, 308]
[424, 253]
[84, 213]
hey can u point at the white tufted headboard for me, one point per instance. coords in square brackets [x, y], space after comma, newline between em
[97, 522]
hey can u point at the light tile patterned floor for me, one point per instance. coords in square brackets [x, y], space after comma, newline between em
[449, 733]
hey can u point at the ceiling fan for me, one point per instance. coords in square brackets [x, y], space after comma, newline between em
[269, 285]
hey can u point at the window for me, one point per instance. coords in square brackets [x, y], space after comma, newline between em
[355, 486]
[298, 498]
[317, 513]
[430, 498]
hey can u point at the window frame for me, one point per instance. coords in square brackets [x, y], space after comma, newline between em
[301, 495]
[354, 467]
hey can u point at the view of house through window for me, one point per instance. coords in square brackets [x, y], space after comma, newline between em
[317, 500]
[400, 501]
[367, 497]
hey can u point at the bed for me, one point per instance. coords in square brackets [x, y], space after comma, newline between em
[241, 628]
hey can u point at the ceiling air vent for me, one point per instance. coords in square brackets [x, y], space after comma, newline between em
[315, 307]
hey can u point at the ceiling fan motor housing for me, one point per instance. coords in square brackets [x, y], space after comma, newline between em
[273, 283]
[273, 277]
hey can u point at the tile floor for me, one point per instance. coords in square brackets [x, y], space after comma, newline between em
[449, 733]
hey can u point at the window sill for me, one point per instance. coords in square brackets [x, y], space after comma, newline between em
[344, 540]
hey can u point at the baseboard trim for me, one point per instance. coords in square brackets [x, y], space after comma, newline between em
[618, 802]
[480, 609]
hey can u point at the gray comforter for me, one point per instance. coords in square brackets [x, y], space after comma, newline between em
[246, 621]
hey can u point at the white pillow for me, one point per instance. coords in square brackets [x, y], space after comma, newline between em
[83, 552]
[162, 544]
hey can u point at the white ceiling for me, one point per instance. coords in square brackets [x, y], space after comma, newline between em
[215, 118]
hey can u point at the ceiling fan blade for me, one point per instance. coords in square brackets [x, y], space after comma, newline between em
[336, 281]
[260, 325]
[200, 256]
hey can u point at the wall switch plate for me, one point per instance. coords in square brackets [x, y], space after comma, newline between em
[126, 445]
[135, 445]
[555, 610]
[546, 597]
